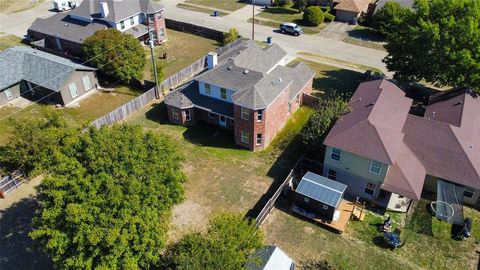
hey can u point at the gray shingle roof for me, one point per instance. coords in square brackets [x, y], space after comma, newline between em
[117, 9]
[61, 25]
[43, 69]
[321, 189]
[260, 59]
[188, 96]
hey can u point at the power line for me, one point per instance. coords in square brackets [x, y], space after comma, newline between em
[53, 92]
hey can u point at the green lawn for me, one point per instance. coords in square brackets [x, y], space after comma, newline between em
[182, 50]
[90, 108]
[274, 16]
[230, 5]
[361, 247]
[10, 41]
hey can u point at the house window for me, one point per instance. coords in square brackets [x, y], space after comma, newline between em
[188, 116]
[122, 25]
[259, 115]
[375, 167]
[297, 99]
[336, 154]
[175, 115]
[8, 93]
[259, 139]
[245, 113]
[151, 18]
[469, 192]
[369, 188]
[212, 115]
[132, 21]
[73, 90]
[86, 83]
[332, 174]
[223, 93]
[306, 199]
[208, 89]
[325, 207]
[289, 107]
[245, 136]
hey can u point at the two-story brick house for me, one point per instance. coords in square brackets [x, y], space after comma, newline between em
[384, 154]
[250, 91]
[67, 31]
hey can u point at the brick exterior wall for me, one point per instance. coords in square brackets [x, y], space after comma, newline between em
[159, 24]
[274, 119]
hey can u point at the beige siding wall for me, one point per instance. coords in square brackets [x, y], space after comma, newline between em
[14, 89]
[77, 79]
[356, 165]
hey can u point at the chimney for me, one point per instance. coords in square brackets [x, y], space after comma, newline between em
[104, 9]
[212, 60]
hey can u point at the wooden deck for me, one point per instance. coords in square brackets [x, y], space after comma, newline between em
[346, 209]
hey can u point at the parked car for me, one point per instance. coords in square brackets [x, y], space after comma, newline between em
[63, 5]
[291, 28]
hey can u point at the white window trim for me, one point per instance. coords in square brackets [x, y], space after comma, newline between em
[122, 25]
[132, 21]
[175, 115]
[188, 115]
[372, 189]
[260, 113]
[325, 207]
[9, 96]
[261, 139]
[306, 199]
[70, 87]
[339, 155]
[244, 111]
[371, 165]
[84, 79]
[224, 98]
[243, 132]
[469, 190]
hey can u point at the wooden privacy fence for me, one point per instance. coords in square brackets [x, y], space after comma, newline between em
[311, 101]
[194, 29]
[9, 183]
[185, 74]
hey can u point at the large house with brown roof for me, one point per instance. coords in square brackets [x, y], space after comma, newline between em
[66, 31]
[384, 154]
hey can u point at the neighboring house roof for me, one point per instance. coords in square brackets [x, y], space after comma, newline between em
[321, 189]
[270, 258]
[189, 97]
[352, 5]
[377, 113]
[62, 26]
[445, 143]
[252, 74]
[403, 3]
[41, 68]
[117, 9]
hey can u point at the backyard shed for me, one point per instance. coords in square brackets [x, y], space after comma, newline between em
[319, 195]
[270, 258]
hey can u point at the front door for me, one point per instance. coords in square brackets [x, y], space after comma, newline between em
[222, 120]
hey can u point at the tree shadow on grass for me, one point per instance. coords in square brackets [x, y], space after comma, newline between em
[338, 81]
[17, 248]
[366, 35]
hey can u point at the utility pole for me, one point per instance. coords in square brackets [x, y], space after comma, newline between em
[150, 42]
[253, 19]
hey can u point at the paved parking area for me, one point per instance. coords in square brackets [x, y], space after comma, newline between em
[336, 30]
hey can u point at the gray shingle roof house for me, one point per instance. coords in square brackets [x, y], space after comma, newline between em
[67, 31]
[248, 89]
[27, 72]
[385, 154]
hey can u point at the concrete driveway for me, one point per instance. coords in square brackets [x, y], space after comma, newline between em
[336, 30]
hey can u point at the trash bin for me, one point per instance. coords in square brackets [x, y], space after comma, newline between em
[215, 13]
[269, 40]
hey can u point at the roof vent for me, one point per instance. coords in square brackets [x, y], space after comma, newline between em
[229, 67]
[66, 25]
[280, 79]
[245, 71]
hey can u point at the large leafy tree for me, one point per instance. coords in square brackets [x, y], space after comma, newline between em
[227, 244]
[106, 203]
[117, 55]
[389, 17]
[438, 42]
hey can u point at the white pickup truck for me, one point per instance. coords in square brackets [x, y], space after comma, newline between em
[63, 5]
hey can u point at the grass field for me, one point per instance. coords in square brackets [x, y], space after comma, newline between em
[230, 5]
[427, 246]
[9, 41]
[90, 108]
[12, 6]
[182, 50]
[274, 16]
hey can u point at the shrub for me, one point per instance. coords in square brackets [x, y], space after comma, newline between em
[231, 36]
[313, 16]
[328, 17]
[284, 3]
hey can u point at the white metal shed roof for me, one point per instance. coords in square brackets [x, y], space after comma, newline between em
[321, 189]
